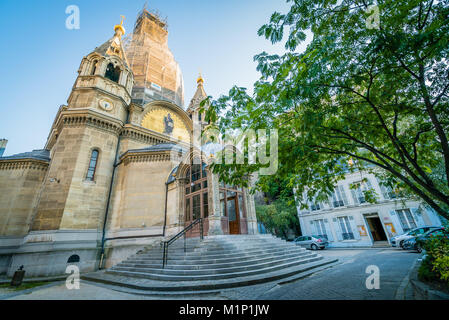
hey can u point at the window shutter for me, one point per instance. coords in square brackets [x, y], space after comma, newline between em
[417, 215]
[354, 197]
[338, 230]
[368, 184]
[343, 194]
[396, 223]
[354, 228]
[433, 217]
[384, 192]
[330, 237]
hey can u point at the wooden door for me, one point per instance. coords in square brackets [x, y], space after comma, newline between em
[233, 215]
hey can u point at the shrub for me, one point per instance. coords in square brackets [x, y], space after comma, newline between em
[436, 264]
[425, 272]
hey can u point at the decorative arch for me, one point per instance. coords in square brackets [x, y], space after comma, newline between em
[167, 118]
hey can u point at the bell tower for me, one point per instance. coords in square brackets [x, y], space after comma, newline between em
[83, 145]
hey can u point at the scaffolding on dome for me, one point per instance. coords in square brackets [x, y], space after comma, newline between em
[157, 75]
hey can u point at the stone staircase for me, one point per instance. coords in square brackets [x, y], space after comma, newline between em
[217, 262]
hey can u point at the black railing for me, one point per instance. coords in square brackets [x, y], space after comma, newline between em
[167, 243]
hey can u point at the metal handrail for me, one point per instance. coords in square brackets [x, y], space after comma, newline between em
[179, 235]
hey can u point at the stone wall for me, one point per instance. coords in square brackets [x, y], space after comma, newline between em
[20, 182]
[138, 200]
[70, 201]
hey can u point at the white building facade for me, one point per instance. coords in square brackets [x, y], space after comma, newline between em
[348, 220]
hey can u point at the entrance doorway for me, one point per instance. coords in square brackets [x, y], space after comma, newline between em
[196, 197]
[233, 209]
[376, 228]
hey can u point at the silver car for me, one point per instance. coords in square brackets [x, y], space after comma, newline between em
[312, 242]
[399, 240]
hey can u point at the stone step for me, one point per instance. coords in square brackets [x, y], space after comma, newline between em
[210, 269]
[183, 286]
[217, 259]
[219, 254]
[176, 264]
[212, 276]
[215, 262]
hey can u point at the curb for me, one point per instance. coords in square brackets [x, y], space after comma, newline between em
[422, 291]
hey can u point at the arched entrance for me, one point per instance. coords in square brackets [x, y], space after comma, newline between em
[196, 195]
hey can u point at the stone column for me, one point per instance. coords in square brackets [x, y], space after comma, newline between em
[251, 210]
[214, 198]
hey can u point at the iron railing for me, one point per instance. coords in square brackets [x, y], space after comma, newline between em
[167, 243]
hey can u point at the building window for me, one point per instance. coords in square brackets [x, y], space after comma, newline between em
[92, 166]
[345, 227]
[94, 67]
[358, 189]
[406, 219]
[112, 73]
[315, 206]
[339, 197]
[320, 229]
[387, 191]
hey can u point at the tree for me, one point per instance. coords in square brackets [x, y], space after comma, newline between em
[378, 95]
[279, 216]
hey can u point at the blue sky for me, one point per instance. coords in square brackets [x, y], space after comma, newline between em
[40, 57]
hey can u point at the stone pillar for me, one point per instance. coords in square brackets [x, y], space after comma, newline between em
[251, 210]
[214, 216]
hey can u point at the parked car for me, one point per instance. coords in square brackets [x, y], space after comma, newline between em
[399, 240]
[312, 242]
[417, 243]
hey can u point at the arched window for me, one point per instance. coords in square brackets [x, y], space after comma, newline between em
[94, 67]
[74, 259]
[92, 166]
[112, 73]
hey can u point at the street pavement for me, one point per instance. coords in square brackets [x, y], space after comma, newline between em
[345, 280]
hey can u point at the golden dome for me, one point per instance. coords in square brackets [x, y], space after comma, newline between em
[120, 27]
[200, 79]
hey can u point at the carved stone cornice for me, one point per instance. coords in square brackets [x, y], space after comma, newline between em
[23, 164]
[146, 157]
[148, 136]
[84, 117]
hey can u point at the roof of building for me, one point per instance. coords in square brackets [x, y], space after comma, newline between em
[114, 46]
[159, 147]
[43, 155]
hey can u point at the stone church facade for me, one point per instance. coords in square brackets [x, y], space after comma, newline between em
[119, 170]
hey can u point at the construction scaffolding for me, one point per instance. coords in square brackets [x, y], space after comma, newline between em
[157, 75]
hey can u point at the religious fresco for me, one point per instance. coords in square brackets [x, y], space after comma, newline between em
[166, 121]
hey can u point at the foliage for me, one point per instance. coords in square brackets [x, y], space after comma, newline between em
[278, 217]
[436, 264]
[425, 272]
[378, 96]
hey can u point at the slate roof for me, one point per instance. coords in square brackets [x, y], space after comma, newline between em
[43, 155]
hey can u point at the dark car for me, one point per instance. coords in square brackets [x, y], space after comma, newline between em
[418, 243]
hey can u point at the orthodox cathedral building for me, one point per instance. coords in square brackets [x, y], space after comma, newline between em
[119, 170]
